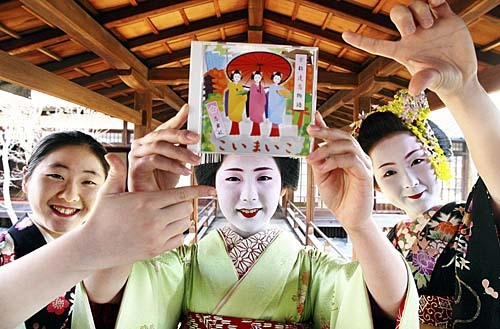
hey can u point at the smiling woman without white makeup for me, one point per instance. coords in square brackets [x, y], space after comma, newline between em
[61, 181]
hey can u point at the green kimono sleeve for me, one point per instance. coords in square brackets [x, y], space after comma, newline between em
[339, 297]
[152, 298]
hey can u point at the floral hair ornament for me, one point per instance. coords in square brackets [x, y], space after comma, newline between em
[413, 113]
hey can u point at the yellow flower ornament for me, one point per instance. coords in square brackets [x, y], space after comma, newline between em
[413, 113]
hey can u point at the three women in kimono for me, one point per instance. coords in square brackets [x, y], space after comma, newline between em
[453, 250]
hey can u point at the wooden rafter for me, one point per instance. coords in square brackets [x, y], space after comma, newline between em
[177, 32]
[355, 13]
[127, 15]
[21, 72]
[323, 55]
[255, 20]
[73, 20]
[309, 29]
[34, 40]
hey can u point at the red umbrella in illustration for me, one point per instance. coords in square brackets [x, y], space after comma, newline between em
[265, 62]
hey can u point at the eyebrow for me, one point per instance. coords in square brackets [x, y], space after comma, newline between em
[60, 165]
[256, 169]
[406, 157]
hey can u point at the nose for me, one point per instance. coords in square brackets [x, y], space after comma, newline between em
[410, 180]
[248, 192]
[70, 192]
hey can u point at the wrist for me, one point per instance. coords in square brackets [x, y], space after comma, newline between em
[469, 90]
[362, 231]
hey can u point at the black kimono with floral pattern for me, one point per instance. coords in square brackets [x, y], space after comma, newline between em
[21, 239]
[454, 254]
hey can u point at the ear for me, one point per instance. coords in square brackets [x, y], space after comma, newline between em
[283, 191]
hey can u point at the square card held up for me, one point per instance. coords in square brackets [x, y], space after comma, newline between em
[252, 98]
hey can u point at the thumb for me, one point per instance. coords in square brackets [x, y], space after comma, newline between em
[117, 176]
[427, 78]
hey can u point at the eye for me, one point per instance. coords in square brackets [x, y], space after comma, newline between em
[232, 179]
[417, 161]
[89, 182]
[264, 178]
[389, 173]
[55, 176]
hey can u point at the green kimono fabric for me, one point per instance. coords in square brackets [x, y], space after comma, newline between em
[288, 283]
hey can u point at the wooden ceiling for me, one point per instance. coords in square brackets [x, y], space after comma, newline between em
[130, 58]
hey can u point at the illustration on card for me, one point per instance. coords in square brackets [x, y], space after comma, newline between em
[249, 98]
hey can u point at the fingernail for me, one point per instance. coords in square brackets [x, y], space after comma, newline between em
[314, 128]
[192, 136]
[194, 158]
[186, 171]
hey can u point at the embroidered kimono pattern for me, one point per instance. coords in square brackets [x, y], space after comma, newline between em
[208, 286]
[19, 240]
[457, 242]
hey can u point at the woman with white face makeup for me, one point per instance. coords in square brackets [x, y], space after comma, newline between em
[250, 274]
[61, 181]
[452, 249]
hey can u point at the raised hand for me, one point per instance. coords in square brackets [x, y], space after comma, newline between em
[157, 159]
[435, 47]
[343, 174]
[126, 227]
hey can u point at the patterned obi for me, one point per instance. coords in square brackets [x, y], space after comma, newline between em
[436, 311]
[206, 321]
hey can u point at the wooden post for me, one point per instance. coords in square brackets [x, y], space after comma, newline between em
[194, 218]
[310, 204]
[143, 102]
[361, 104]
[125, 137]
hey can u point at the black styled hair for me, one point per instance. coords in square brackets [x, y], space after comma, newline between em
[379, 125]
[55, 141]
[277, 73]
[231, 76]
[255, 73]
[289, 169]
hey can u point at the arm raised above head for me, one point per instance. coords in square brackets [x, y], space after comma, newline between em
[437, 49]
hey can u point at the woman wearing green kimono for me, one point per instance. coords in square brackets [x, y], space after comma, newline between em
[249, 274]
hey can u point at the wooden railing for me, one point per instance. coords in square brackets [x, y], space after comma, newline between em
[306, 232]
[201, 221]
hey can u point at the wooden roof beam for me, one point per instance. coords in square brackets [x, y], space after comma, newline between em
[355, 13]
[208, 24]
[255, 20]
[169, 76]
[177, 76]
[21, 72]
[147, 9]
[185, 53]
[33, 40]
[366, 85]
[72, 19]
[310, 30]
[470, 10]
[323, 55]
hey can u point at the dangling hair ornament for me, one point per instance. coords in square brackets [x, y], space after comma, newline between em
[413, 113]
